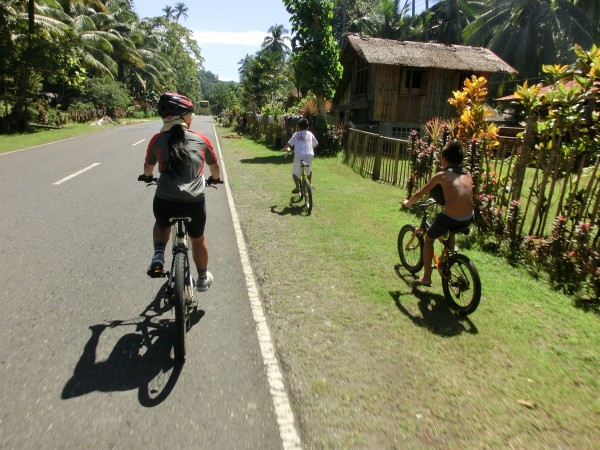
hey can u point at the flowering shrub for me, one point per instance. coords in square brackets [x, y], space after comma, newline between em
[488, 216]
[572, 264]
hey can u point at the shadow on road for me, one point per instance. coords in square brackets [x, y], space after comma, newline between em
[141, 359]
[435, 315]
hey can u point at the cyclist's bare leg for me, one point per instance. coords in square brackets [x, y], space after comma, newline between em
[296, 182]
[200, 252]
[427, 257]
[160, 234]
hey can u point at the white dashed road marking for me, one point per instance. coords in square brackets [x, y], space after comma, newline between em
[76, 173]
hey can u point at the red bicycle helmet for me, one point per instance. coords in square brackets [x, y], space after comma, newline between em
[173, 104]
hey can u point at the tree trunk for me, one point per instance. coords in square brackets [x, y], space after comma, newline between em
[321, 107]
[31, 15]
[523, 159]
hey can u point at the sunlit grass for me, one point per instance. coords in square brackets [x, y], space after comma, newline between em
[354, 335]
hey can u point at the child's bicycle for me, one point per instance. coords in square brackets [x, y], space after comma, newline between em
[180, 284]
[305, 189]
[460, 280]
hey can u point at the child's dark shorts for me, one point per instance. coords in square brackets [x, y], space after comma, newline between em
[443, 223]
[165, 209]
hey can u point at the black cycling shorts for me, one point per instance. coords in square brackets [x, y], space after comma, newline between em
[165, 209]
[444, 223]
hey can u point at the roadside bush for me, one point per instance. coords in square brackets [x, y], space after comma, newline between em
[40, 112]
[109, 95]
[82, 112]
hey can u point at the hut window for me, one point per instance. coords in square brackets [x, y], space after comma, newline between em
[413, 79]
[362, 79]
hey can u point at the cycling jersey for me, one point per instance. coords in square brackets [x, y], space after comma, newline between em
[187, 184]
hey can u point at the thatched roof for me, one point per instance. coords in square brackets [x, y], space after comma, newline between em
[426, 55]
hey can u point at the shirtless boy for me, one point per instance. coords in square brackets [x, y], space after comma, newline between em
[457, 187]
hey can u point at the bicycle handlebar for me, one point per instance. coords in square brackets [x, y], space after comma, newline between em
[150, 180]
[425, 203]
[422, 204]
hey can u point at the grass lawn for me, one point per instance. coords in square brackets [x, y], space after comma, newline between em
[17, 141]
[371, 363]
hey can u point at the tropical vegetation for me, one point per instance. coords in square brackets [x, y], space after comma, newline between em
[52, 50]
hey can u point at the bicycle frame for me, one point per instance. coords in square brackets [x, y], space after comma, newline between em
[460, 280]
[438, 261]
[179, 239]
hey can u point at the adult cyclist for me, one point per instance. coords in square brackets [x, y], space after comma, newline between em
[181, 154]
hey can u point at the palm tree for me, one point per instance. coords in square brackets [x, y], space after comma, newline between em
[180, 10]
[245, 63]
[169, 12]
[530, 33]
[275, 43]
[392, 21]
[445, 21]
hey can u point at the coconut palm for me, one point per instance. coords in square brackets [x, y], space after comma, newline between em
[245, 63]
[445, 21]
[392, 19]
[276, 42]
[530, 33]
[169, 12]
[180, 10]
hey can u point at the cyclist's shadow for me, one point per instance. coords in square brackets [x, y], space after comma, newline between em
[293, 208]
[141, 359]
[435, 315]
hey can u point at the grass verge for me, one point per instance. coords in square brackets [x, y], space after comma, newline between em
[372, 363]
[16, 141]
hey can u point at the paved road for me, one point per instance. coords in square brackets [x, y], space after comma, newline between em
[85, 349]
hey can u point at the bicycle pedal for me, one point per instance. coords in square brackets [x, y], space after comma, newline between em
[156, 273]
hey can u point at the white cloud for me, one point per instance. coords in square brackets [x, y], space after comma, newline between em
[250, 38]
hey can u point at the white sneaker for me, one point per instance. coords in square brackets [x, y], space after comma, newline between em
[202, 284]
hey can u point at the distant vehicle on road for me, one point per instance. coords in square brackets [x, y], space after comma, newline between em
[204, 107]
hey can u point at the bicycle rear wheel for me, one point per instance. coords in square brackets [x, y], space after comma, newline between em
[410, 248]
[180, 312]
[461, 283]
[306, 190]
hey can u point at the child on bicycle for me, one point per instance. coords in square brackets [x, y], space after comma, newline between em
[456, 195]
[304, 143]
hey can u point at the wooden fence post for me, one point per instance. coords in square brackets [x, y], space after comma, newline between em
[377, 164]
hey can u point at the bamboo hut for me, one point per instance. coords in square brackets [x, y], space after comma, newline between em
[394, 86]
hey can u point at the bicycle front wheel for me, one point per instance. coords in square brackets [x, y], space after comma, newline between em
[307, 194]
[461, 283]
[179, 297]
[410, 248]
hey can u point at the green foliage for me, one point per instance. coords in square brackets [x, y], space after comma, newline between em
[315, 51]
[570, 261]
[109, 95]
[82, 112]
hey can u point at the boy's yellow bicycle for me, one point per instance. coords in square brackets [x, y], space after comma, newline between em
[460, 279]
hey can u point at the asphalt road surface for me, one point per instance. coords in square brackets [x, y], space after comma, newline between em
[86, 348]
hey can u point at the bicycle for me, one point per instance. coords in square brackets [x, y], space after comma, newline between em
[180, 283]
[305, 188]
[460, 279]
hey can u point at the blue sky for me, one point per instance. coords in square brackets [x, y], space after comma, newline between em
[226, 30]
